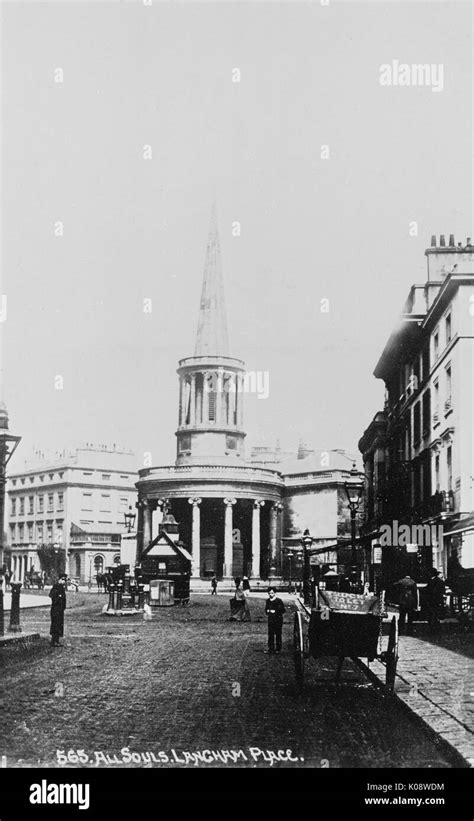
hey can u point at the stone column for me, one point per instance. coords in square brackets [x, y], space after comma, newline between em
[256, 538]
[229, 503]
[274, 511]
[192, 414]
[196, 537]
[219, 392]
[147, 523]
[205, 399]
[181, 402]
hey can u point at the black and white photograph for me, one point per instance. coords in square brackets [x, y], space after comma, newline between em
[236, 404]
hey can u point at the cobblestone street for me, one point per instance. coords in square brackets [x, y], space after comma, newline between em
[192, 681]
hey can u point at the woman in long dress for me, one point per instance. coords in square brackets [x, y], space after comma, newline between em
[239, 608]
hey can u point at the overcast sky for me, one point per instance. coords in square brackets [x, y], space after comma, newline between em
[136, 228]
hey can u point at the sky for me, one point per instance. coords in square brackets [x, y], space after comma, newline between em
[94, 223]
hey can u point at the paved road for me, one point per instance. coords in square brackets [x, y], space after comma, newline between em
[192, 681]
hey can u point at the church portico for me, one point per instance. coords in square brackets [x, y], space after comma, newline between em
[230, 527]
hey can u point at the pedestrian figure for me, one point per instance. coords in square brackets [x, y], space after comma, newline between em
[57, 595]
[246, 586]
[213, 586]
[274, 608]
[407, 597]
[239, 609]
[435, 590]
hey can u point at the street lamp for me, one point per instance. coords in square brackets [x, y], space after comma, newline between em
[306, 543]
[354, 488]
[8, 446]
[129, 519]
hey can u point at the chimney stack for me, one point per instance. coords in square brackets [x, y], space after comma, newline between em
[468, 241]
[442, 241]
[451, 240]
[433, 240]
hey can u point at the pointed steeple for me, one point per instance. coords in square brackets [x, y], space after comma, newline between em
[212, 336]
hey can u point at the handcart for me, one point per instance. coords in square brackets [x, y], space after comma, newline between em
[345, 625]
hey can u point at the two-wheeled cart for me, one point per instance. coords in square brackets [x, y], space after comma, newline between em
[345, 625]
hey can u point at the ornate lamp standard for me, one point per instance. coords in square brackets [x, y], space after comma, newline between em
[306, 543]
[8, 446]
[129, 519]
[354, 488]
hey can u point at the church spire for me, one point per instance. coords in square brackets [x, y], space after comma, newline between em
[212, 336]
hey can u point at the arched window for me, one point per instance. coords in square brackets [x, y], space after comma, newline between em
[78, 565]
[99, 564]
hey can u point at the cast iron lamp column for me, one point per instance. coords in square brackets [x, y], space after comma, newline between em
[306, 543]
[8, 446]
[354, 488]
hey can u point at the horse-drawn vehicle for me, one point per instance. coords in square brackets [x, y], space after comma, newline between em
[34, 578]
[345, 625]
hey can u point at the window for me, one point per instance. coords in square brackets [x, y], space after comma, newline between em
[448, 329]
[87, 473]
[212, 406]
[12, 533]
[87, 501]
[416, 424]
[40, 503]
[436, 402]
[31, 504]
[448, 388]
[449, 465]
[49, 532]
[39, 530]
[13, 482]
[123, 476]
[13, 507]
[436, 345]
[106, 476]
[51, 477]
[60, 501]
[437, 473]
[22, 505]
[105, 503]
[426, 413]
[99, 564]
[21, 532]
[30, 532]
[50, 501]
[41, 478]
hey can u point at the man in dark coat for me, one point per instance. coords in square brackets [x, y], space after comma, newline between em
[58, 605]
[274, 608]
[435, 590]
[407, 601]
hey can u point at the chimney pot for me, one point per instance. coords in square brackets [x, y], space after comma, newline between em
[468, 241]
[459, 244]
[451, 239]
[433, 240]
[442, 241]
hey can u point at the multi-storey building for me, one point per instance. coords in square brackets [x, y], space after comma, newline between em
[75, 502]
[419, 452]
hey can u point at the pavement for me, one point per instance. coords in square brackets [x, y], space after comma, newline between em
[437, 685]
[434, 681]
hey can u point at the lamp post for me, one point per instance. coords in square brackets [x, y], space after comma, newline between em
[306, 543]
[8, 446]
[129, 519]
[354, 488]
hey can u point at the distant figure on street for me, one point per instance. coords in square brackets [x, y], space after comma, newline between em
[274, 608]
[239, 609]
[246, 586]
[435, 590]
[58, 605]
[407, 598]
[213, 586]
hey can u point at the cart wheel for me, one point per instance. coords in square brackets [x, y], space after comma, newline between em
[392, 655]
[298, 648]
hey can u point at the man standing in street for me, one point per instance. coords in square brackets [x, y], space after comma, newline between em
[407, 601]
[57, 595]
[274, 608]
[435, 590]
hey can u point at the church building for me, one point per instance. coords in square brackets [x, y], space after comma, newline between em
[235, 517]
